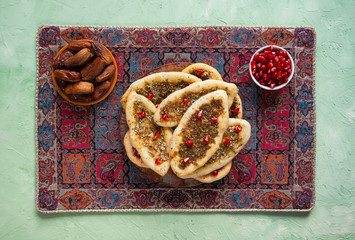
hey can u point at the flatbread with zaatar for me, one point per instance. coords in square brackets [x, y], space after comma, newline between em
[216, 175]
[172, 108]
[150, 140]
[199, 133]
[203, 71]
[132, 152]
[158, 86]
[234, 139]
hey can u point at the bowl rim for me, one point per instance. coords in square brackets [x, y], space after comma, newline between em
[279, 86]
[61, 93]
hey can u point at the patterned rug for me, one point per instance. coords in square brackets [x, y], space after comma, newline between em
[81, 163]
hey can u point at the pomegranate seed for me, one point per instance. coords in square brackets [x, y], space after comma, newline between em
[272, 85]
[258, 65]
[256, 56]
[156, 106]
[189, 143]
[276, 59]
[150, 96]
[156, 135]
[253, 64]
[267, 52]
[199, 115]
[142, 114]
[279, 74]
[200, 72]
[165, 117]
[274, 69]
[270, 65]
[253, 71]
[262, 59]
[214, 119]
[260, 73]
[282, 58]
[289, 71]
[214, 173]
[265, 76]
[185, 102]
[206, 139]
[263, 67]
[237, 128]
[158, 161]
[186, 160]
[226, 141]
[272, 55]
[235, 110]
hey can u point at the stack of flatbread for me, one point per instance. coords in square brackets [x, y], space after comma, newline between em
[189, 121]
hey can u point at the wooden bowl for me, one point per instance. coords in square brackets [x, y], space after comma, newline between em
[113, 80]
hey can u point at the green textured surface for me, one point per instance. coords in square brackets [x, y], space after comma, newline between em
[334, 212]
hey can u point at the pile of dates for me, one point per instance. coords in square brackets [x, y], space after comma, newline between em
[84, 70]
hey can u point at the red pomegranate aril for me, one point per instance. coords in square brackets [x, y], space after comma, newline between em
[262, 59]
[258, 65]
[214, 173]
[288, 63]
[235, 110]
[237, 128]
[265, 76]
[157, 134]
[282, 58]
[256, 56]
[260, 73]
[185, 102]
[254, 71]
[263, 67]
[270, 65]
[200, 72]
[276, 59]
[206, 139]
[214, 119]
[156, 106]
[165, 117]
[289, 71]
[150, 96]
[279, 74]
[142, 114]
[199, 115]
[158, 161]
[267, 52]
[272, 85]
[253, 64]
[186, 160]
[226, 141]
[257, 76]
[189, 143]
[274, 69]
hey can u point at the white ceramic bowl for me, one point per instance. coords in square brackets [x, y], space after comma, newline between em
[277, 86]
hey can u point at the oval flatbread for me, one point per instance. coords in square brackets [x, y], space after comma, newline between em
[176, 104]
[158, 86]
[236, 110]
[153, 149]
[203, 71]
[234, 139]
[132, 153]
[207, 117]
[214, 176]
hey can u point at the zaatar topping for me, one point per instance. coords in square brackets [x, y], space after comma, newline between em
[177, 109]
[223, 148]
[146, 129]
[160, 90]
[197, 127]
